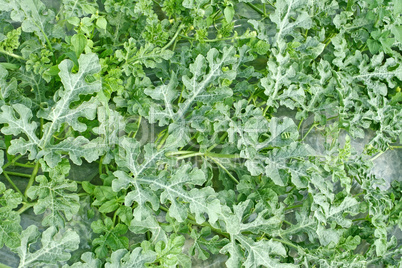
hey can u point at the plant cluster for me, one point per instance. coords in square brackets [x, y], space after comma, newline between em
[198, 116]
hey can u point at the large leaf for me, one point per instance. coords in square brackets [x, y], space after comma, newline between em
[198, 201]
[197, 87]
[32, 14]
[289, 15]
[56, 247]
[75, 84]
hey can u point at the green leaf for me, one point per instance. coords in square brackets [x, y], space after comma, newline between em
[334, 213]
[75, 84]
[229, 13]
[101, 22]
[89, 261]
[10, 228]
[278, 168]
[289, 16]
[60, 113]
[137, 258]
[33, 15]
[1, 161]
[203, 244]
[376, 75]
[111, 238]
[140, 194]
[281, 74]
[258, 253]
[148, 55]
[56, 246]
[149, 224]
[171, 254]
[197, 87]
[17, 125]
[397, 7]
[11, 41]
[6, 87]
[78, 42]
[79, 8]
[55, 195]
[198, 201]
[9, 199]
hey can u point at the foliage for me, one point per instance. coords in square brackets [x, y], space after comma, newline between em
[177, 106]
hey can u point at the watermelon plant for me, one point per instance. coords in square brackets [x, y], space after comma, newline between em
[240, 132]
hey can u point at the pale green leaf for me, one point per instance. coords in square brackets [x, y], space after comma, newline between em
[55, 196]
[137, 258]
[88, 261]
[56, 247]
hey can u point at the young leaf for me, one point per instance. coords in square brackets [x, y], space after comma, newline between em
[111, 237]
[55, 195]
[10, 228]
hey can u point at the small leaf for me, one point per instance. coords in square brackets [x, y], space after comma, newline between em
[79, 42]
[229, 13]
[137, 258]
[101, 22]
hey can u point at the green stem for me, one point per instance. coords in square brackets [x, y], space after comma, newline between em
[286, 243]
[181, 27]
[220, 140]
[15, 56]
[292, 207]
[24, 207]
[209, 154]
[14, 186]
[12, 162]
[265, 111]
[178, 153]
[32, 178]
[189, 155]
[300, 123]
[138, 127]
[206, 224]
[160, 135]
[287, 222]
[328, 41]
[24, 165]
[389, 147]
[360, 219]
[162, 141]
[100, 165]
[114, 218]
[4, 266]
[377, 155]
[227, 171]
[311, 128]
[18, 174]
[333, 117]
[255, 8]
